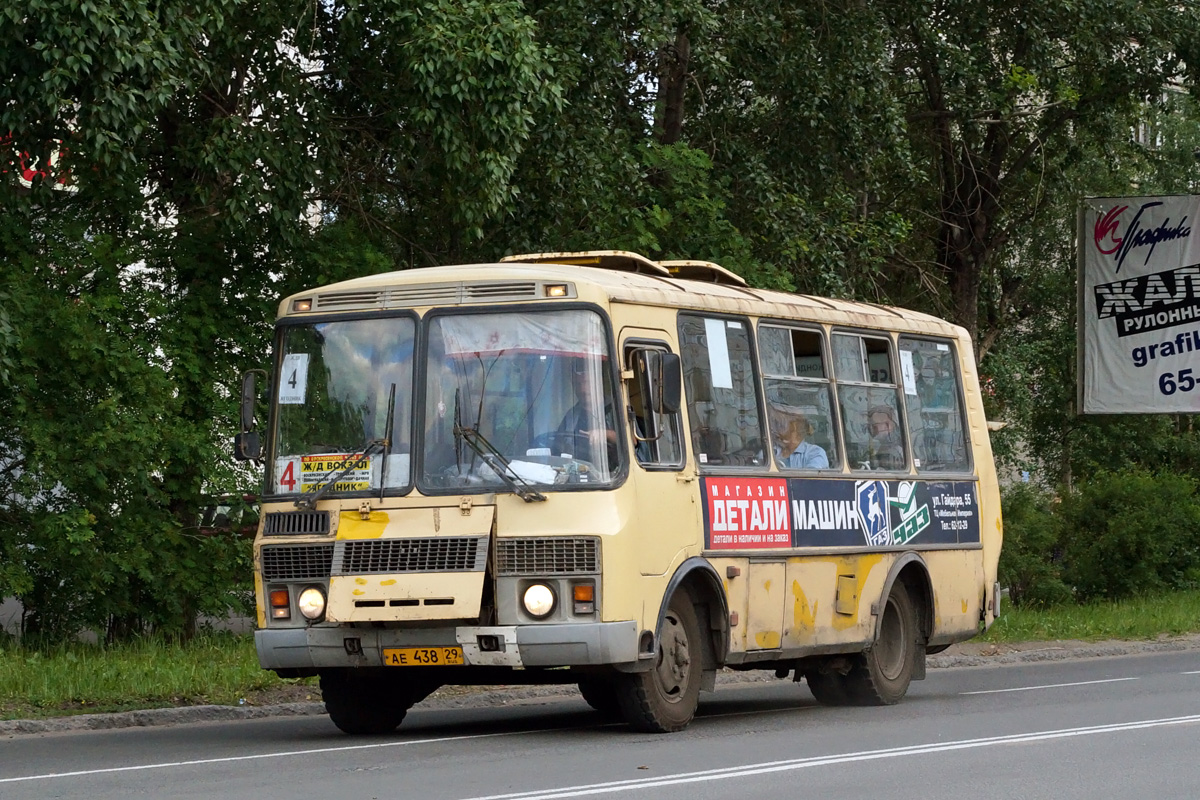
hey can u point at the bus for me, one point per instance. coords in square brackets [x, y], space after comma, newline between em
[597, 469]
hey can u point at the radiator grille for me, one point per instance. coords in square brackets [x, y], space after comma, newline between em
[386, 556]
[307, 562]
[548, 556]
[294, 523]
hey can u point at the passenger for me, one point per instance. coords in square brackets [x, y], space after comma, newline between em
[791, 449]
[885, 447]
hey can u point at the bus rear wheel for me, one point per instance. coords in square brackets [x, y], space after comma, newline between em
[366, 703]
[664, 698]
[828, 687]
[881, 674]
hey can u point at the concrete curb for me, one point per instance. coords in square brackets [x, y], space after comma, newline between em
[987, 656]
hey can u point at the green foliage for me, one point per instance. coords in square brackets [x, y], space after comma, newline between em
[1131, 532]
[1030, 564]
[1120, 534]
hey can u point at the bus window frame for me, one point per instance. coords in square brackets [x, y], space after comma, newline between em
[268, 496]
[619, 476]
[892, 337]
[835, 414]
[630, 346]
[968, 441]
[756, 376]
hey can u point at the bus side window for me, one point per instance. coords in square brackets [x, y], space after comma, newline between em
[656, 438]
[722, 392]
[869, 401]
[799, 405]
[931, 394]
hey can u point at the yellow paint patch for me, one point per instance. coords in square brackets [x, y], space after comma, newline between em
[803, 617]
[388, 582]
[860, 567]
[361, 581]
[358, 592]
[351, 525]
[767, 586]
[964, 606]
[768, 640]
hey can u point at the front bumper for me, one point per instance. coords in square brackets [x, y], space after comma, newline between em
[576, 644]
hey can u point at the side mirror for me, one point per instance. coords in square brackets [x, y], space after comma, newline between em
[249, 398]
[246, 445]
[670, 381]
[662, 380]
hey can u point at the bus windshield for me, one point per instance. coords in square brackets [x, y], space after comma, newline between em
[335, 383]
[530, 394]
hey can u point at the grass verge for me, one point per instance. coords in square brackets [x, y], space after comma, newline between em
[1173, 614]
[80, 678]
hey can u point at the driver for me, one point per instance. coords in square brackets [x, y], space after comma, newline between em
[589, 436]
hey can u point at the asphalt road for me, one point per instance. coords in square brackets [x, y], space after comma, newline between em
[1123, 727]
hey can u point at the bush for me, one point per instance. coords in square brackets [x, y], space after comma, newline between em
[1029, 562]
[1131, 532]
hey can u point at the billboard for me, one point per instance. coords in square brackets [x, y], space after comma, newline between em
[1139, 305]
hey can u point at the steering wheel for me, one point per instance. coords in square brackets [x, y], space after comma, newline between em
[573, 442]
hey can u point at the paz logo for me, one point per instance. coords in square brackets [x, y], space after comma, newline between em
[871, 504]
[913, 518]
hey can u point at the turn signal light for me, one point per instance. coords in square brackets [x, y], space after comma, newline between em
[302, 305]
[281, 604]
[556, 290]
[584, 595]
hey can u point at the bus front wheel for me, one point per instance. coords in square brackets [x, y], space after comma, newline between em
[364, 703]
[881, 675]
[601, 694]
[663, 699]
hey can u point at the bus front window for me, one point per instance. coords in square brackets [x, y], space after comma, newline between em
[335, 383]
[530, 393]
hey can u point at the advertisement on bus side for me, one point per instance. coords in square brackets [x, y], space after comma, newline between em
[769, 513]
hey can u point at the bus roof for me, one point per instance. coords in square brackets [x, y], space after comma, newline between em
[620, 276]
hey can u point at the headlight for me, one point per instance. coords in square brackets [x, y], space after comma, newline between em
[539, 600]
[311, 603]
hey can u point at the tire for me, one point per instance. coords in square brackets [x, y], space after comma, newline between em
[829, 688]
[664, 698]
[365, 703]
[601, 694]
[881, 674]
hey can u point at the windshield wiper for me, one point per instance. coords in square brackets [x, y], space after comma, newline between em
[351, 462]
[490, 455]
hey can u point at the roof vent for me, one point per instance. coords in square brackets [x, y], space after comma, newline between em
[618, 260]
[703, 271]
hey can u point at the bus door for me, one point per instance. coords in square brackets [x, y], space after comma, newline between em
[668, 517]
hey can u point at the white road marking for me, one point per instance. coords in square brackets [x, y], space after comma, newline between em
[750, 770]
[1193, 672]
[258, 756]
[1049, 686]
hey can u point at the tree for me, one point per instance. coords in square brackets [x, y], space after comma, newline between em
[1001, 99]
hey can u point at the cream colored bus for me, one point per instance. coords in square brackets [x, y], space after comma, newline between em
[596, 469]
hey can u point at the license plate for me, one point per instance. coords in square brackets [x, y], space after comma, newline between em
[422, 656]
